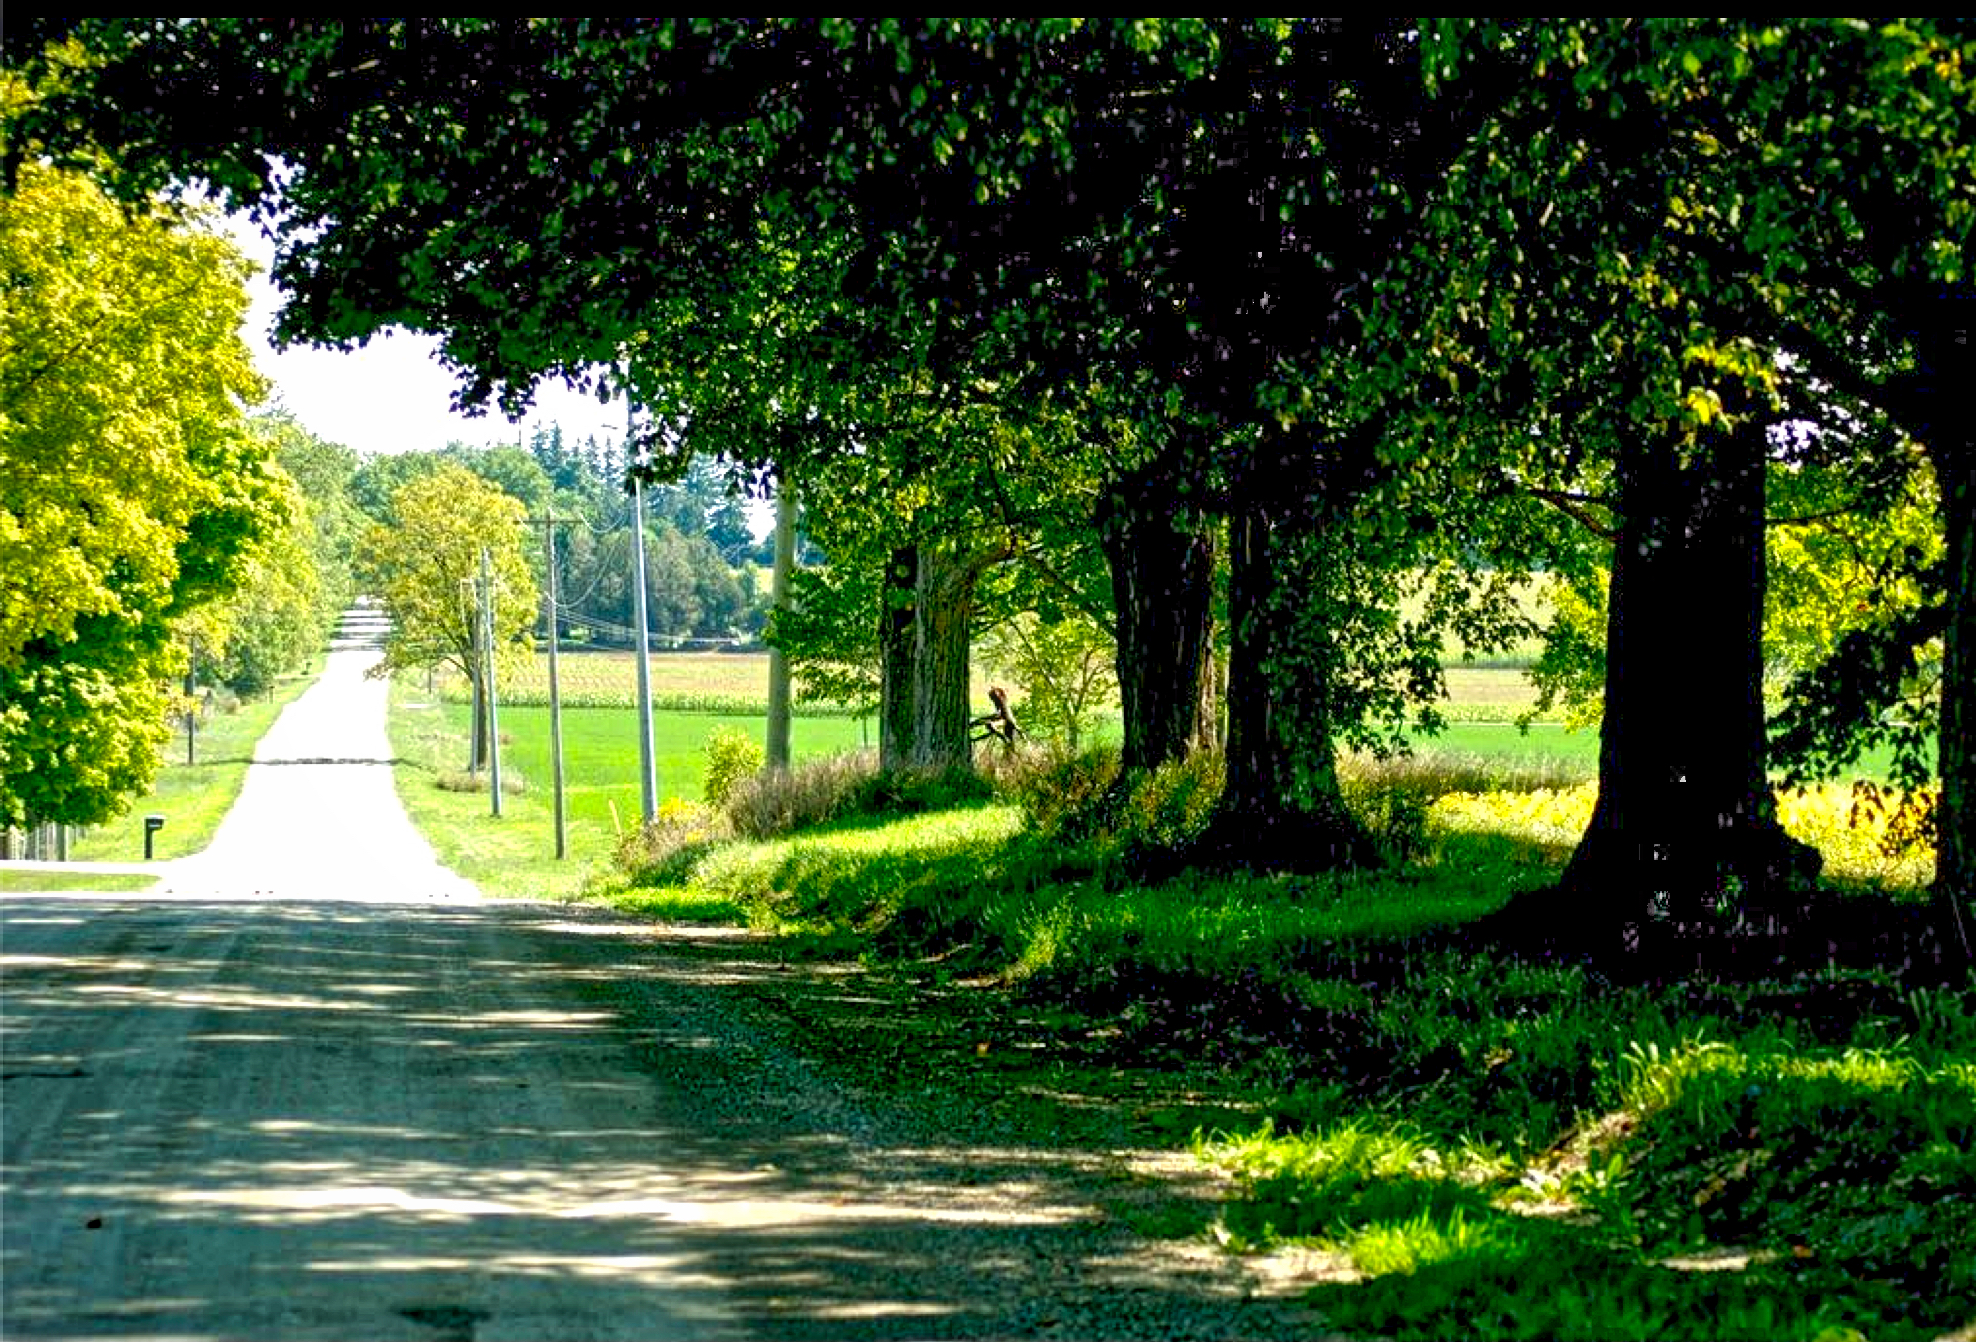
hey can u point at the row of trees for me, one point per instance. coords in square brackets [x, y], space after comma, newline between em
[1382, 302]
[148, 525]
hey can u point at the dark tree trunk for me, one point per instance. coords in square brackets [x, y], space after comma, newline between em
[1685, 832]
[1282, 806]
[942, 621]
[1161, 557]
[895, 659]
[1955, 843]
[1948, 366]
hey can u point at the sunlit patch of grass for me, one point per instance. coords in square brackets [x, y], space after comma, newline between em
[1834, 1190]
[1854, 840]
[30, 882]
[1330, 1183]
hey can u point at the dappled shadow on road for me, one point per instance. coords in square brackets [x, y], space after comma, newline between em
[338, 1119]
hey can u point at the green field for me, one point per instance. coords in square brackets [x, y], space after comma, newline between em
[515, 854]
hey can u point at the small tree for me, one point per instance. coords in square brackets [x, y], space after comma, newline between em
[424, 567]
[1065, 669]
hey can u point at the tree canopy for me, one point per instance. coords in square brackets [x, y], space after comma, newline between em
[131, 489]
[1349, 305]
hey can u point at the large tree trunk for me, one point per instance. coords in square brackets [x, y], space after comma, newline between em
[943, 614]
[1948, 366]
[1684, 832]
[895, 658]
[1955, 844]
[1282, 806]
[1161, 557]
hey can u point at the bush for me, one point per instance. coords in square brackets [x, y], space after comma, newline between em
[914, 791]
[1082, 796]
[1168, 810]
[732, 756]
[778, 801]
[840, 786]
[512, 783]
[1059, 791]
[660, 852]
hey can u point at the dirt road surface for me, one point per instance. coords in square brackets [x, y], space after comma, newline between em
[315, 1087]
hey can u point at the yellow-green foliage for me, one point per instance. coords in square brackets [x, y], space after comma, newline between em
[1860, 844]
[424, 567]
[731, 758]
[130, 491]
[1553, 817]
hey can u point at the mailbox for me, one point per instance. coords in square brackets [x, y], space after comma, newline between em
[152, 824]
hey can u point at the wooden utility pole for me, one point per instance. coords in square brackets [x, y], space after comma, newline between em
[470, 612]
[493, 709]
[555, 686]
[777, 749]
[191, 700]
[648, 773]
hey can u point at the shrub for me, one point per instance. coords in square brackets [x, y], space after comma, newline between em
[840, 786]
[512, 783]
[1057, 790]
[914, 791]
[1168, 809]
[731, 757]
[659, 852]
[778, 801]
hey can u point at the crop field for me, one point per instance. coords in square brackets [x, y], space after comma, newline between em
[686, 682]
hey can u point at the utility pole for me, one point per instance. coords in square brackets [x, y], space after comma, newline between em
[470, 612]
[555, 686]
[777, 751]
[648, 775]
[493, 711]
[191, 699]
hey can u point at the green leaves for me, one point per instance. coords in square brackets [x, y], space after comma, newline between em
[130, 492]
[423, 566]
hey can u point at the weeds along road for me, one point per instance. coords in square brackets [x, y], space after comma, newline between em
[315, 1088]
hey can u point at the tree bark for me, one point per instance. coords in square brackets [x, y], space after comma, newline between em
[1685, 828]
[1282, 806]
[1161, 557]
[895, 658]
[1948, 364]
[942, 622]
[1955, 816]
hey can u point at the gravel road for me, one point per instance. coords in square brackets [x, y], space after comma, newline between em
[315, 1087]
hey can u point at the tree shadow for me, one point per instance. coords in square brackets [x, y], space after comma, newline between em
[337, 1119]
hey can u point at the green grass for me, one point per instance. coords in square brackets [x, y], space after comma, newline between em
[1477, 1146]
[33, 882]
[193, 798]
[515, 854]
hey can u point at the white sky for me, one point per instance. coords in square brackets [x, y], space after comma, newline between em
[392, 395]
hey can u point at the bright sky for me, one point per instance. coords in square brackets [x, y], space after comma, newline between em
[392, 395]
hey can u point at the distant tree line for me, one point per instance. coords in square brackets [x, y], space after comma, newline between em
[701, 559]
